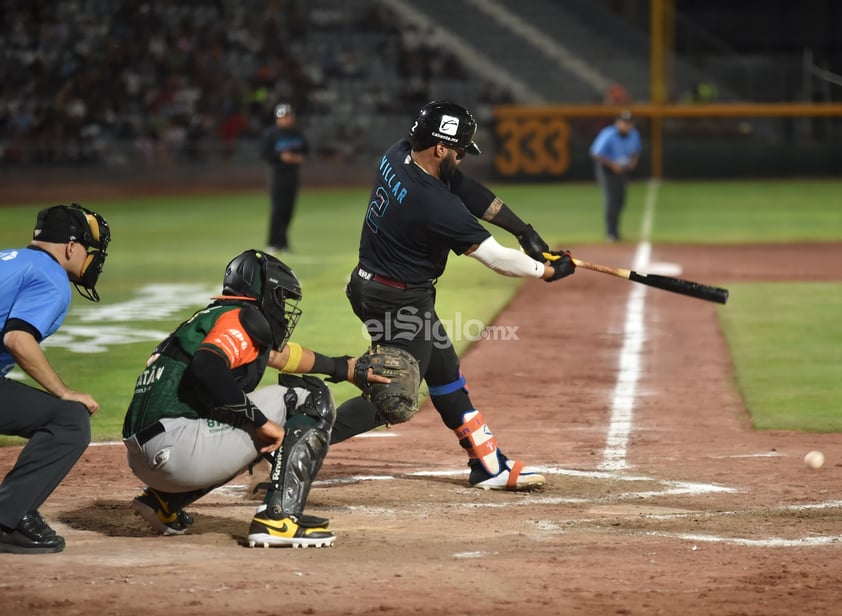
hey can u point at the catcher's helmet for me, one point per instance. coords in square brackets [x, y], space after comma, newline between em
[273, 285]
[447, 123]
[74, 223]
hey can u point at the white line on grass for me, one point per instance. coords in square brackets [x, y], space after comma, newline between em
[634, 333]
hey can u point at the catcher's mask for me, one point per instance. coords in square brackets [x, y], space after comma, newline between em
[447, 123]
[74, 223]
[273, 285]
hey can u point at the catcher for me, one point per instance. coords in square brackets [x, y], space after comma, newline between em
[196, 421]
[422, 207]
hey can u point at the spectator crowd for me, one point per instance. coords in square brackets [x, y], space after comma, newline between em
[84, 80]
[124, 81]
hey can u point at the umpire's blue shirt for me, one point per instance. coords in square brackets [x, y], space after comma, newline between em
[33, 288]
[611, 144]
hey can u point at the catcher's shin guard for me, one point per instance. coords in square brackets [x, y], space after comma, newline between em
[304, 448]
[476, 438]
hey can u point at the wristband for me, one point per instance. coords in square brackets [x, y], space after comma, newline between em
[336, 367]
[294, 358]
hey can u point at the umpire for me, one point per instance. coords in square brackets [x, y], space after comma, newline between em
[421, 208]
[283, 147]
[69, 244]
[615, 152]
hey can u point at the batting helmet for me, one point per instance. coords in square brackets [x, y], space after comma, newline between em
[272, 284]
[447, 123]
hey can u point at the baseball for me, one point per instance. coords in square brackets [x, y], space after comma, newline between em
[814, 459]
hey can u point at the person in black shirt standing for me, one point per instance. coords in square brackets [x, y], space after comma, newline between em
[283, 147]
[422, 207]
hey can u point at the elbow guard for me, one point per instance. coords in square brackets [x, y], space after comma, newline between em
[507, 261]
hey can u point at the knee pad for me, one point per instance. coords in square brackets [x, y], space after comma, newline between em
[319, 405]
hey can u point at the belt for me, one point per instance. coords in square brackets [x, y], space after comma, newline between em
[149, 432]
[389, 283]
[395, 284]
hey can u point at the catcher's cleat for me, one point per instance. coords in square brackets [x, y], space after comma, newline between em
[296, 531]
[154, 510]
[515, 477]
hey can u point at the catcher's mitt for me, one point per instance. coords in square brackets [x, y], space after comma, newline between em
[396, 401]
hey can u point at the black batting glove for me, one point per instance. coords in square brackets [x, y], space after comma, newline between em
[561, 262]
[532, 243]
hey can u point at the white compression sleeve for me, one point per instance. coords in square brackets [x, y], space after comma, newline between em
[507, 261]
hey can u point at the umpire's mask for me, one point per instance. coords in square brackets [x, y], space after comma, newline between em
[74, 223]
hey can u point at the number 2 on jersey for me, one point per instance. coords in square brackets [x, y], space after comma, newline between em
[377, 208]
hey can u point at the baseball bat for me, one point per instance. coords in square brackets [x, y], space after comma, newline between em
[665, 283]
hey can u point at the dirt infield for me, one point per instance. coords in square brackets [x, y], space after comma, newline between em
[674, 507]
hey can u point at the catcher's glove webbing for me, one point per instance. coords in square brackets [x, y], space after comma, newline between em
[397, 401]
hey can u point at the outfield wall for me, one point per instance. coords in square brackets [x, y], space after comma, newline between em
[544, 143]
[519, 143]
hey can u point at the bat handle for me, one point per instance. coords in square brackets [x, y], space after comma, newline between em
[613, 271]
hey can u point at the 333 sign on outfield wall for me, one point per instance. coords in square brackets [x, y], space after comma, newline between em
[532, 146]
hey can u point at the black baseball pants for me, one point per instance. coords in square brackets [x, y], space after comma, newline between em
[405, 318]
[59, 431]
[613, 187]
[283, 193]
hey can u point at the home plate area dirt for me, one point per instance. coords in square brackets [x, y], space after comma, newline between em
[676, 507]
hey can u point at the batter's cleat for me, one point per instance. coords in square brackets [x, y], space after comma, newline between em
[297, 531]
[150, 506]
[516, 477]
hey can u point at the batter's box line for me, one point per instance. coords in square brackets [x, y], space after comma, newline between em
[769, 542]
[671, 488]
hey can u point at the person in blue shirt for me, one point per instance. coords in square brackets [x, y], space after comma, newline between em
[615, 152]
[69, 244]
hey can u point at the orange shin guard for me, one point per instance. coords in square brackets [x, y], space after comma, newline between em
[478, 441]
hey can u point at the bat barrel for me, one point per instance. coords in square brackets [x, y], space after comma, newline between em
[666, 283]
[684, 287]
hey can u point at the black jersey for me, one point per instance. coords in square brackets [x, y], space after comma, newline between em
[274, 141]
[413, 221]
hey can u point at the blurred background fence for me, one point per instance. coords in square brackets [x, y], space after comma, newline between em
[118, 89]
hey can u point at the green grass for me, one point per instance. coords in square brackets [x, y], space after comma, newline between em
[786, 340]
[187, 240]
[741, 212]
